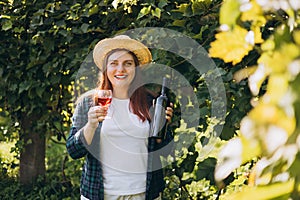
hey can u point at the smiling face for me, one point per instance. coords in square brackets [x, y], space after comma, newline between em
[120, 69]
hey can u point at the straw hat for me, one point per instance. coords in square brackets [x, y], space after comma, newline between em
[103, 47]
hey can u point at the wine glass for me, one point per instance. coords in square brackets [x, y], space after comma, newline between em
[103, 98]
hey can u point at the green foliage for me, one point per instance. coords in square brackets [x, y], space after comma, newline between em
[270, 130]
[44, 44]
[8, 161]
[62, 180]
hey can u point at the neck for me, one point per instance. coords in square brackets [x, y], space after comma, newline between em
[120, 93]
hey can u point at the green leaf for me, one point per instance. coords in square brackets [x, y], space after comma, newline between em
[84, 27]
[227, 132]
[162, 3]
[93, 10]
[179, 23]
[229, 12]
[156, 12]
[144, 11]
[39, 91]
[5, 16]
[206, 168]
[185, 9]
[61, 23]
[63, 32]
[265, 192]
[55, 79]
[200, 6]
[19, 29]
[29, 142]
[7, 25]
[57, 125]
[24, 86]
[187, 164]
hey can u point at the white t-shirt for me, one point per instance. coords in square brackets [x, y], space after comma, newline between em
[123, 150]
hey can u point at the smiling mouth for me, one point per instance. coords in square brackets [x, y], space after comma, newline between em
[120, 76]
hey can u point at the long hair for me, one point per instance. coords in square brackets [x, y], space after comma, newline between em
[137, 92]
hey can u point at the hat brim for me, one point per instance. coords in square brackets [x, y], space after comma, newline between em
[105, 46]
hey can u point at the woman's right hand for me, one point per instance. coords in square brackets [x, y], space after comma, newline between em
[96, 114]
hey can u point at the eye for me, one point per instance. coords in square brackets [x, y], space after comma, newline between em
[113, 63]
[129, 63]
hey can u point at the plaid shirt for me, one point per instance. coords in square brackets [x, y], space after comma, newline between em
[91, 184]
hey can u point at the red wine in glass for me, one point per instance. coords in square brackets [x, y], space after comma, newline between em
[103, 97]
[104, 101]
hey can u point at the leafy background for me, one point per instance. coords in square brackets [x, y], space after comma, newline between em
[255, 46]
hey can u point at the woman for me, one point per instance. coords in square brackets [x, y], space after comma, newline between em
[122, 161]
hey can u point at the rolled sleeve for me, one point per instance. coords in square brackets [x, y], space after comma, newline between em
[76, 143]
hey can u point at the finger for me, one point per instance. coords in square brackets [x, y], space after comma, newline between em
[169, 111]
[98, 109]
[93, 119]
[99, 112]
[168, 118]
[101, 118]
[92, 110]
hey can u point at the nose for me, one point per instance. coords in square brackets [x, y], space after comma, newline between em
[120, 67]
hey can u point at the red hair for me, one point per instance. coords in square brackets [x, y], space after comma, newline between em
[137, 92]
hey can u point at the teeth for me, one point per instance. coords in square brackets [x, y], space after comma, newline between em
[123, 76]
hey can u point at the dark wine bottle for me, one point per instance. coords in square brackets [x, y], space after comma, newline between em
[158, 124]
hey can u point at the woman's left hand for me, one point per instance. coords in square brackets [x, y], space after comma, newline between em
[169, 112]
[169, 115]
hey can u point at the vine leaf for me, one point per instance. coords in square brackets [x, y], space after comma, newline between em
[231, 46]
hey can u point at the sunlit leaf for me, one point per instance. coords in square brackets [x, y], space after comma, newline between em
[292, 18]
[156, 12]
[185, 9]
[288, 123]
[272, 114]
[182, 7]
[296, 36]
[267, 113]
[244, 73]
[231, 46]
[257, 34]
[93, 10]
[273, 138]
[251, 149]
[279, 60]
[229, 159]
[277, 87]
[258, 174]
[257, 79]
[229, 12]
[268, 45]
[254, 14]
[144, 11]
[264, 192]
